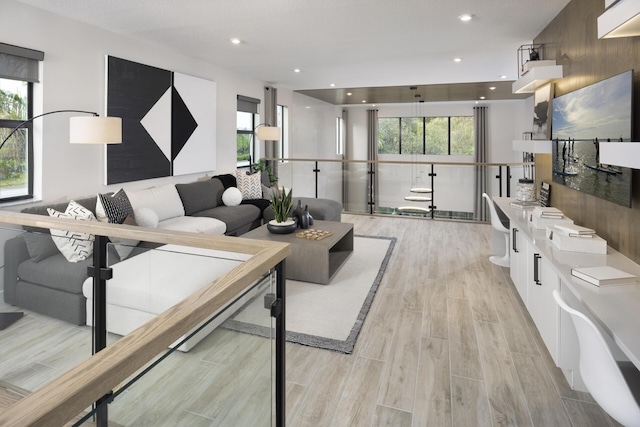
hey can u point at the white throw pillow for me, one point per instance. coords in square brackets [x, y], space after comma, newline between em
[231, 197]
[164, 201]
[146, 217]
[73, 245]
[249, 185]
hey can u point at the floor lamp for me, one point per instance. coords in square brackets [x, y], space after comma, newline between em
[269, 133]
[82, 130]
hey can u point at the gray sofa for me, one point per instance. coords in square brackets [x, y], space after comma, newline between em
[38, 277]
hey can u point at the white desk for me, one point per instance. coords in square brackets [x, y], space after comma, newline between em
[616, 308]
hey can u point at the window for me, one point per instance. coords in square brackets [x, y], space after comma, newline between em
[19, 68]
[426, 135]
[283, 123]
[16, 170]
[339, 136]
[247, 119]
[246, 122]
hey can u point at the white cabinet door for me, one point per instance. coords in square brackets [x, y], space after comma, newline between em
[540, 303]
[519, 262]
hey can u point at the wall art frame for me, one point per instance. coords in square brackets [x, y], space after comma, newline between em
[542, 112]
[168, 122]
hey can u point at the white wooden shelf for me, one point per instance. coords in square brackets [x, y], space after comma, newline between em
[625, 154]
[532, 146]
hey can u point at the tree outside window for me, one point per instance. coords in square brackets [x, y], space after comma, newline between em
[426, 135]
[15, 154]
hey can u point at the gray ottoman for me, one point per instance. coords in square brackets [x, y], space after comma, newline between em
[321, 209]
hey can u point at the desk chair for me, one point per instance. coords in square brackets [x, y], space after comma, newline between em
[497, 225]
[614, 385]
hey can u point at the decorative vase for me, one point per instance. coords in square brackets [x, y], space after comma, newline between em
[285, 227]
[302, 216]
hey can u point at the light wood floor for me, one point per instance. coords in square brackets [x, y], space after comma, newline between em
[447, 343]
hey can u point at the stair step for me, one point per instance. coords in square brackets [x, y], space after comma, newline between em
[418, 198]
[413, 209]
[421, 190]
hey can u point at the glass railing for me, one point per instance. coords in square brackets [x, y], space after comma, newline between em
[421, 188]
[175, 330]
[220, 373]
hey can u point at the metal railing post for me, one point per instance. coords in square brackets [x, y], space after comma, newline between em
[100, 272]
[280, 380]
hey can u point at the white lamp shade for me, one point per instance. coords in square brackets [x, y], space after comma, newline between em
[269, 133]
[95, 130]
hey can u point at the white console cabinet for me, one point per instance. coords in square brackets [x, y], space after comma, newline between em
[542, 307]
[535, 280]
[518, 261]
[538, 267]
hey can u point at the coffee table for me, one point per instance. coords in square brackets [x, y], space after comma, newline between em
[315, 261]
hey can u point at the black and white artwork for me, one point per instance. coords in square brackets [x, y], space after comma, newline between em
[168, 122]
[542, 112]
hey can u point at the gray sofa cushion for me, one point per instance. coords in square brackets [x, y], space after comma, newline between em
[200, 195]
[234, 216]
[55, 272]
[87, 202]
[40, 246]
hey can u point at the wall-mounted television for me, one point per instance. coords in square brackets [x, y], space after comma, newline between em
[581, 121]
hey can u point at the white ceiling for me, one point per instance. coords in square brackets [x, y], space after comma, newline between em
[350, 43]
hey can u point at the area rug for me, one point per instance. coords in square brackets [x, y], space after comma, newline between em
[326, 316]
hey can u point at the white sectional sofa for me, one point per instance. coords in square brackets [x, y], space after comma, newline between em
[149, 283]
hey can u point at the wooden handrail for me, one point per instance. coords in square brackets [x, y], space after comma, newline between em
[401, 162]
[66, 396]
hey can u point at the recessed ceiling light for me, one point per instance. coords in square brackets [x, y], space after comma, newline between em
[482, 97]
[349, 93]
[235, 41]
[296, 70]
[364, 101]
[457, 59]
[492, 88]
[332, 85]
[307, 106]
[465, 17]
[503, 76]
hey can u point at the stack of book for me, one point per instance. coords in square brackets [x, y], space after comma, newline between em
[543, 217]
[604, 275]
[571, 237]
[573, 230]
[525, 204]
[547, 212]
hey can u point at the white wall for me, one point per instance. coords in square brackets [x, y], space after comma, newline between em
[73, 77]
[312, 136]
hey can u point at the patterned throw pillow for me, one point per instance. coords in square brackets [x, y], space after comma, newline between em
[249, 185]
[116, 209]
[73, 245]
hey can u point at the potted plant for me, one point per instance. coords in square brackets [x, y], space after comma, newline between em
[263, 166]
[281, 204]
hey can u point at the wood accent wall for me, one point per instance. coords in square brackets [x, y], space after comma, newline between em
[571, 39]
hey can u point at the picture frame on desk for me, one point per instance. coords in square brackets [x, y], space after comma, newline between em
[545, 194]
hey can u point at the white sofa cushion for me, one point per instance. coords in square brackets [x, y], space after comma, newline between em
[160, 278]
[149, 283]
[164, 201]
[194, 224]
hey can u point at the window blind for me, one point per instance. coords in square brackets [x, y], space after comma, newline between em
[19, 63]
[247, 104]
